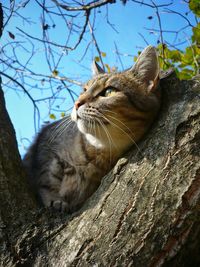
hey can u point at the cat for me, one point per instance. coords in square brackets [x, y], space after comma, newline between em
[69, 157]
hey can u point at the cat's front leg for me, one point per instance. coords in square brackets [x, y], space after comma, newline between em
[50, 184]
[52, 199]
[76, 189]
[70, 190]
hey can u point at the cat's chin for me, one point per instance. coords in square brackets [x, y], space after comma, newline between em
[93, 140]
[81, 126]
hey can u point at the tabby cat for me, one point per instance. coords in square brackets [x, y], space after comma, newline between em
[69, 157]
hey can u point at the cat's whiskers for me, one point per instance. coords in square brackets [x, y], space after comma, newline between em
[121, 129]
[115, 113]
[95, 131]
[109, 137]
[65, 126]
[128, 135]
[58, 130]
[63, 120]
[113, 117]
[93, 117]
[131, 132]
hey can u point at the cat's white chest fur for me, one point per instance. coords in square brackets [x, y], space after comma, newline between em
[94, 141]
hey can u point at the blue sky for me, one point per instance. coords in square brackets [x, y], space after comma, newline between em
[130, 21]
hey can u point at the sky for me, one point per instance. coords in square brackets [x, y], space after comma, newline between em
[130, 22]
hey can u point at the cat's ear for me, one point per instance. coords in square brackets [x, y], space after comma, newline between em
[96, 69]
[147, 68]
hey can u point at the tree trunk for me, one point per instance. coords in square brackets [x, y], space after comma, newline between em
[145, 213]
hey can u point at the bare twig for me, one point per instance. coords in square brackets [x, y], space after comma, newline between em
[118, 55]
[36, 109]
[153, 5]
[96, 44]
[143, 38]
[42, 41]
[160, 29]
[88, 7]
[179, 14]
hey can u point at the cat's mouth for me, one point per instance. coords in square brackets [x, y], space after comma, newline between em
[91, 124]
[89, 116]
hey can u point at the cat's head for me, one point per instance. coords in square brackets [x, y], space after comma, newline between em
[116, 109]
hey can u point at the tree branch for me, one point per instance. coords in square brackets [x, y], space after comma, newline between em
[88, 7]
[36, 109]
[1, 20]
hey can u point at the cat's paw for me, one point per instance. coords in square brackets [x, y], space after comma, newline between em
[60, 206]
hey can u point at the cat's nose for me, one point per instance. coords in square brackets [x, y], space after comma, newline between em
[77, 104]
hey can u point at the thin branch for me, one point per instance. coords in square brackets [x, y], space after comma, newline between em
[87, 14]
[118, 55]
[12, 5]
[158, 30]
[42, 41]
[52, 12]
[88, 7]
[29, 96]
[179, 14]
[96, 44]
[31, 73]
[143, 38]
[153, 5]
[108, 21]
[161, 30]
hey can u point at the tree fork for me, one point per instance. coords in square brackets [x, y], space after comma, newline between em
[145, 213]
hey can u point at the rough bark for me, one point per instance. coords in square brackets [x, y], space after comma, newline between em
[145, 213]
[15, 197]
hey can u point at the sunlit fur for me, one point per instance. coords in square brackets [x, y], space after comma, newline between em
[116, 116]
[69, 158]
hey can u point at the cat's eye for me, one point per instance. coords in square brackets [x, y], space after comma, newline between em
[109, 91]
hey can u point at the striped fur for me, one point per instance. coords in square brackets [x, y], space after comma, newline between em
[69, 157]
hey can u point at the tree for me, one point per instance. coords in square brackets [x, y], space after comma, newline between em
[145, 213]
[37, 39]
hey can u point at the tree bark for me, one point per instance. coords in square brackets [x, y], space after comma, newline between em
[145, 213]
[15, 197]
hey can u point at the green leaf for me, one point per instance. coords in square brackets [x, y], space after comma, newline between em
[62, 114]
[55, 73]
[195, 7]
[196, 34]
[52, 116]
[97, 59]
[108, 68]
[188, 57]
[186, 63]
[175, 55]
[103, 54]
[185, 74]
